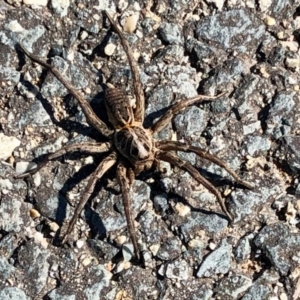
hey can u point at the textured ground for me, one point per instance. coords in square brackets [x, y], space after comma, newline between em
[249, 48]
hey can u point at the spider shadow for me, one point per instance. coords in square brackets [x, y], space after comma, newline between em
[215, 179]
[71, 182]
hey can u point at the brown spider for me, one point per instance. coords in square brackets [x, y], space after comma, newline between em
[131, 146]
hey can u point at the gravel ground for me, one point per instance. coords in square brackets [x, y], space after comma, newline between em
[248, 48]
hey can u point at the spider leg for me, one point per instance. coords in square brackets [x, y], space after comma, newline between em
[164, 120]
[125, 187]
[104, 166]
[84, 147]
[178, 146]
[137, 85]
[84, 104]
[173, 159]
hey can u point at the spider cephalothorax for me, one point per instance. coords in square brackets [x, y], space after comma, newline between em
[135, 143]
[131, 146]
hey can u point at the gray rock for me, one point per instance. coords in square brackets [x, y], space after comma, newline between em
[153, 228]
[36, 116]
[291, 149]
[229, 28]
[171, 33]
[170, 249]
[14, 33]
[176, 270]
[10, 293]
[61, 294]
[52, 87]
[192, 121]
[98, 278]
[245, 202]
[14, 214]
[101, 280]
[282, 8]
[9, 74]
[6, 269]
[60, 7]
[257, 291]
[103, 249]
[279, 245]
[233, 286]
[160, 203]
[33, 259]
[243, 248]
[280, 111]
[216, 262]
[196, 221]
[159, 100]
[224, 76]
[171, 54]
[256, 145]
[202, 50]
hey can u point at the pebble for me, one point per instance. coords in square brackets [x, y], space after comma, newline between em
[270, 21]
[34, 213]
[110, 49]
[131, 23]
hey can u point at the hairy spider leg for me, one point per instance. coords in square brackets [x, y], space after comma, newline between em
[173, 159]
[103, 167]
[179, 146]
[164, 120]
[84, 147]
[136, 82]
[90, 115]
[125, 183]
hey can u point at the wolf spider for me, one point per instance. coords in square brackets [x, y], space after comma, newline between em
[130, 146]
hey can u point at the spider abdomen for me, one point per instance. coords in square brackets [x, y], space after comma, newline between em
[118, 108]
[135, 143]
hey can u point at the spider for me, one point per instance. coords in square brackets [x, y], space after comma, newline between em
[131, 146]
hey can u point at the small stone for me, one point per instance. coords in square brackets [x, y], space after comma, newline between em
[79, 244]
[182, 209]
[53, 226]
[292, 63]
[280, 35]
[120, 267]
[154, 248]
[83, 35]
[110, 49]
[34, 213]
[265, 4]
[86, 261]
[127, 251]
[216, 262]
[37, 179]
[39, 239]
[171, 33]
[120, 240]
[269, 21]
[5, 191]
[177, 270]
[60, 7]
[131, 23]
